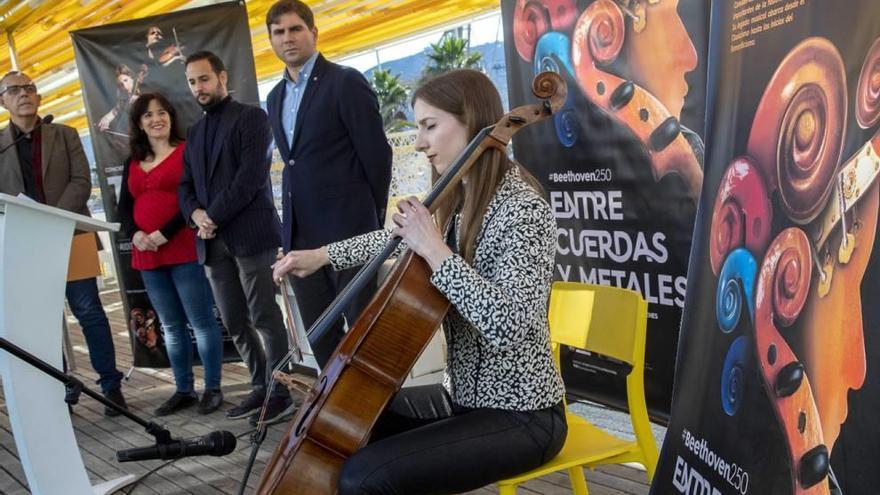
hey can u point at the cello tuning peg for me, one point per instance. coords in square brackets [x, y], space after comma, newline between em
[844, 253]
[622, 95]
[814, 466]
[824, 286]
[639, 20]
[664, 134]
[825, 267]
[789, 379]
[635, 10]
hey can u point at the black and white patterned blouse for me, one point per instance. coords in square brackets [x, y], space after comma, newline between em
[496, 331]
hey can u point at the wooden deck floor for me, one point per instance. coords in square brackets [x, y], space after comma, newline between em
[99, 437]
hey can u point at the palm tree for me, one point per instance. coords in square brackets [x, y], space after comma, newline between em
[449, 53]
[392, 95]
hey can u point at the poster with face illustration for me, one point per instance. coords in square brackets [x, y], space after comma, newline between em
[622, 162]
[778, 378]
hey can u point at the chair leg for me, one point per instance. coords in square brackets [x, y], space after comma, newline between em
[506, 489]
[577, 480]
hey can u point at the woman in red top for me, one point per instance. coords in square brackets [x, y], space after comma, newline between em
[165, 253]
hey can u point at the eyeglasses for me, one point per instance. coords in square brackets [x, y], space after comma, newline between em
[16, 90]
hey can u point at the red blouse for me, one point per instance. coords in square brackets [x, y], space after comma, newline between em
[155, 203]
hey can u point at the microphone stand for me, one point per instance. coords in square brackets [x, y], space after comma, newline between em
[46, 120]
[256, 440]
[259, 434]
[74, 388]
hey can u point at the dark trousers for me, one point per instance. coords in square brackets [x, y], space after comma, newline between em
[423, 444]
[85, 304]
[245, 294]
[315, 293]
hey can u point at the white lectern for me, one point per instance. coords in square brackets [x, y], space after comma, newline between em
[34, 249]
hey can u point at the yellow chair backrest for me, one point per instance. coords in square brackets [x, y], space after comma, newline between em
[606, 320]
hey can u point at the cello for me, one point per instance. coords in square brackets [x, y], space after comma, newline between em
[381, 347]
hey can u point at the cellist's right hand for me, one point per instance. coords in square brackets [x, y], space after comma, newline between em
[300, 263]
[105, 121]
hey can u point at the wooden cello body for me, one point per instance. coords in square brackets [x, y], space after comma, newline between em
[376, 355]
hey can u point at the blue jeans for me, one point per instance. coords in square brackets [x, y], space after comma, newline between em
[84, 302]
[181, 294]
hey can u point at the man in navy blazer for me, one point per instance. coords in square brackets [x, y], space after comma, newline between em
[225, 193]
[327, 127]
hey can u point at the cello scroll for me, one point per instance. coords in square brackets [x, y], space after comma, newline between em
[797, 133]
[783, 285]
[597, 41]
[549, 87]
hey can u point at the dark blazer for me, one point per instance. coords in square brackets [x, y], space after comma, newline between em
[232, 184]
[336, 174]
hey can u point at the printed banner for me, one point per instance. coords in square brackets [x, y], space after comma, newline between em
[777, 385]
[622, 162]
[117, 62]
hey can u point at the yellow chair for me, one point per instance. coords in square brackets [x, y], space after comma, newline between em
[611, 322]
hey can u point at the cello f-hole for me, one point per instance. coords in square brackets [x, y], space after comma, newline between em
[302, 420]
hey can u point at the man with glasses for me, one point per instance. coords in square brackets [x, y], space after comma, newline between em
[47, 163]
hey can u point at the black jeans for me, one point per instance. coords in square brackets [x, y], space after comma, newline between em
[245, 294]
[424, 444]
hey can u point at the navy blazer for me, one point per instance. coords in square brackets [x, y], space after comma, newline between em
[232, 184]
[337, 172]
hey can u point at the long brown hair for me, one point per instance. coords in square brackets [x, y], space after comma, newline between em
[472, 98]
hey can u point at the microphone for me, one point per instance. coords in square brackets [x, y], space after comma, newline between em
[216, 443]
[45, 120]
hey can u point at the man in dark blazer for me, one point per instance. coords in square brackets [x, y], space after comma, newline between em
[48, 164]
[225, 193]
[327, 127]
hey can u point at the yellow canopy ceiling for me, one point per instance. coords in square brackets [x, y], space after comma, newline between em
[38, 32]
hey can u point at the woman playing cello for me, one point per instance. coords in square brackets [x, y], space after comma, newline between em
[500, 411]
